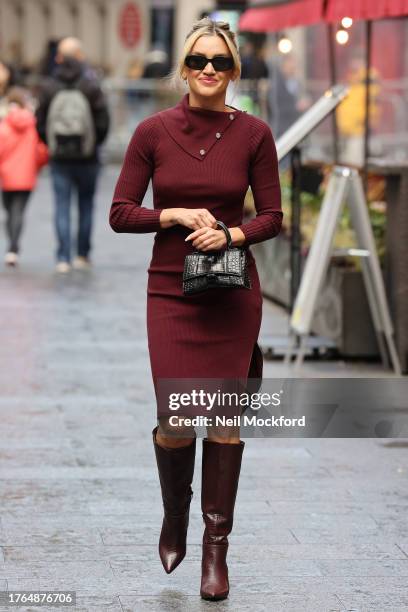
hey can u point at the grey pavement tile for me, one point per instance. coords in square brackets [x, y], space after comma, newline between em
[392, 523]
[42, 495]
[363, 600]
[89, 586]
[346, 522]
[402, 542]
[169, 600]
[339, 507]
[14, 458]
[18, 535]
[326, 536]
[353, 550]
[74, 574]
[98, 604]
[363, 567]
[48, 553]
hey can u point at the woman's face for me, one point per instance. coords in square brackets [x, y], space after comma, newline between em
[209, 46]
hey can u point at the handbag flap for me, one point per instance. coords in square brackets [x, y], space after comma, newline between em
[228, 263]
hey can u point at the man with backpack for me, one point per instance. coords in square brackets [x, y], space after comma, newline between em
[73, 120]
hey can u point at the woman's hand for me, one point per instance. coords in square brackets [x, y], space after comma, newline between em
[193, 218]
[208, 239]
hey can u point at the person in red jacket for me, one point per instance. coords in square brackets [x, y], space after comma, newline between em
[22, 154]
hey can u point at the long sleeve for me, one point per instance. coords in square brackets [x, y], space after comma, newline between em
[265, 185]
[126, 212]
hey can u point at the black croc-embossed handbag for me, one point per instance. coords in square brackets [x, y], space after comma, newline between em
[212, 269]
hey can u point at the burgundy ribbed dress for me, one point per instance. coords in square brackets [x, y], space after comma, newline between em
[199, 158]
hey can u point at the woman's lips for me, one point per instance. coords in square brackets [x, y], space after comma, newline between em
[208, 80]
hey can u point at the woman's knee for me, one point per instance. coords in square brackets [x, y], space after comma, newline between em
[224, 435]
[174, 435]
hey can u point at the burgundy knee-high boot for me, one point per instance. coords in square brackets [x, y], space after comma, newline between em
[176, 470]
[220, 474]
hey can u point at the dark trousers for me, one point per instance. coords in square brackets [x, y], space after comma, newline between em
[15, 202]
[67, 177]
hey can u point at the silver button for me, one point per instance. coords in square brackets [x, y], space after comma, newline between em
[202, 151]
[218, 135]
[231, 116]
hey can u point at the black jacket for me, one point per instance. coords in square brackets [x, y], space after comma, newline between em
[71, 73]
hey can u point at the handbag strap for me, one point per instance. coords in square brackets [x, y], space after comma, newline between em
[226, 232]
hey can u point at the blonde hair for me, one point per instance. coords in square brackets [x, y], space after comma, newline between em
[205, 27]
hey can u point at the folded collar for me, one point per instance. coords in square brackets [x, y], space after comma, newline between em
[196, 130]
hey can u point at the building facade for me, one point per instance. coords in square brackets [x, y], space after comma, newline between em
[115, 32]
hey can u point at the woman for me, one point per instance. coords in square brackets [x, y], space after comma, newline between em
[22, 155]
[201, 155]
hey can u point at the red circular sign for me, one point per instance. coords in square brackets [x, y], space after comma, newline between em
[129, 25]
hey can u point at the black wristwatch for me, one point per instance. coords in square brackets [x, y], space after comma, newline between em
[226, 232]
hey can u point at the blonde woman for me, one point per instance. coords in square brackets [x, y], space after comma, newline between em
[201, 155]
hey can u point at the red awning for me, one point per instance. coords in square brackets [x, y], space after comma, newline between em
[281, 16]
[309, 12]
[365, 9]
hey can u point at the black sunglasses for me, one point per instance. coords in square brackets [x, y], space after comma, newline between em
[219, 62]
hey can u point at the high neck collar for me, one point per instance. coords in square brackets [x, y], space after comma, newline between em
[185, 102]
[197, 130]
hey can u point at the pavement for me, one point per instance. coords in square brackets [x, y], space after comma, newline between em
[320, 524]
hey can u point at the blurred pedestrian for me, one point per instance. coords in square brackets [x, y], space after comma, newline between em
[286, 100]
[156, 63]
[73, 120]
[351, 112]
[21, 156]
[254, 70]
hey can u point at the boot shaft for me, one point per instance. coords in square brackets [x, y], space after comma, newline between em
[221, 466]
[176, 472]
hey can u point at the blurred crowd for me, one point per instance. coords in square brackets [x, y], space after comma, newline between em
[63, 125]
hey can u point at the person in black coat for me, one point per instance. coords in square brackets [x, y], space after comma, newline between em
[73, 149]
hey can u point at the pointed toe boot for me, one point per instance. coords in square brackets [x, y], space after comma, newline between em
[176, 471]
[221, 467]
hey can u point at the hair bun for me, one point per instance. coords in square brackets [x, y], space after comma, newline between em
[224, 25]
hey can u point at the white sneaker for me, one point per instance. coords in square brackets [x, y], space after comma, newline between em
[11, 259]
[81, 263]
[63, 267]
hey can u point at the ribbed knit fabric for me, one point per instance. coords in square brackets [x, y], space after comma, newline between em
[199, 158]
[178, 179]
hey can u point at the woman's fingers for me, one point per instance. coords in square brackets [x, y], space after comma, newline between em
[197, 233]
[205, 219]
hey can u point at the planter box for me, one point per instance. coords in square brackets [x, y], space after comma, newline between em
[342, 311]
